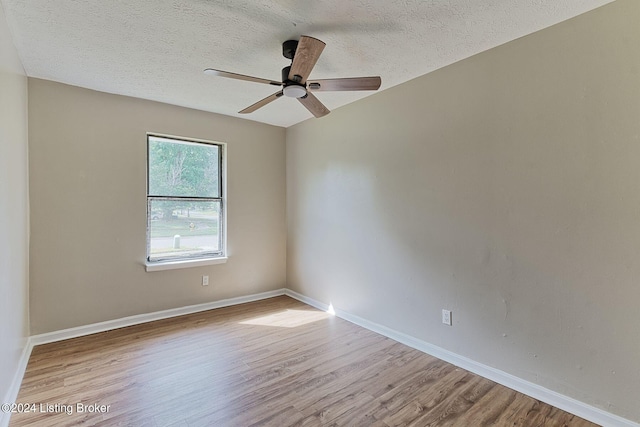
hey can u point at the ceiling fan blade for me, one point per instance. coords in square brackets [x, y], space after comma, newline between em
[351, 83]
[314, 105]
[212, 72]
[306, 56]
[261, 103]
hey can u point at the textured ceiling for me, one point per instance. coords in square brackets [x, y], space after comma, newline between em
[157, 49]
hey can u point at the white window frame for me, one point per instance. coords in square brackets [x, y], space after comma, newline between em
[197, 260]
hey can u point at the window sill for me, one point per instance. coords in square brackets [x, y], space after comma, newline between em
[173, 265]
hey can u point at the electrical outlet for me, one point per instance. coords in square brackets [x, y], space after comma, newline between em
[205, 280]
[446, 317]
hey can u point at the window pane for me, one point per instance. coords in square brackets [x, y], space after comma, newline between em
[183, 228]
[183, 169]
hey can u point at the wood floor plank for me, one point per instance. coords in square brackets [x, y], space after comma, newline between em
[275, 362]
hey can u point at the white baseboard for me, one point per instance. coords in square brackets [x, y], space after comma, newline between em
[14, 388]
[551, 397]
[581, 409]
[148, 317]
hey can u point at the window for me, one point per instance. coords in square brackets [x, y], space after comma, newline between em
[185, 203]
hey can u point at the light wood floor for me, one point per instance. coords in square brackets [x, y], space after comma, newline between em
[275, 362]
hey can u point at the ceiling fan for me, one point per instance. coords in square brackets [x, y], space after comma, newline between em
[303, 54]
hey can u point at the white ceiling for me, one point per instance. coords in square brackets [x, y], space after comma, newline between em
[157, 49]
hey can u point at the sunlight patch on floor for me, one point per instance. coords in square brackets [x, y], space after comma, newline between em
[288, 318]
[331, 310]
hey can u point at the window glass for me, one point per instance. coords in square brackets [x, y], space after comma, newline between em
[185, 215]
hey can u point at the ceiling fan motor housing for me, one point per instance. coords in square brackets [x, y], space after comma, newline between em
[285, 75]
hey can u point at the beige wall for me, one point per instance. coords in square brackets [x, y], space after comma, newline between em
[506, 188]
[88, 208]
[14, 210]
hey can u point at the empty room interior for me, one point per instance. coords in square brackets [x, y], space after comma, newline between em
[442, 229]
